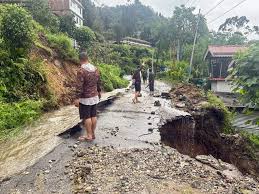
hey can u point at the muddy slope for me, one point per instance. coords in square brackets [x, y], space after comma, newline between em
[60, 73]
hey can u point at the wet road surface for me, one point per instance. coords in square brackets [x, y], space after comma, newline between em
[122, 125]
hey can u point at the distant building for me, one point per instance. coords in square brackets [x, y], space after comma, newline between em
[20, 2]
[220, 58]
[134, 41]
[63, 7]
[59, 7]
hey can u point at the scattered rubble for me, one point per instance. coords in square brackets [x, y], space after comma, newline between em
[107, 170]
[203, 133]
[157, 103]
[187, 96]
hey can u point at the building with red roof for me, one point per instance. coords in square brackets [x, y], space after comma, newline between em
[220, 58]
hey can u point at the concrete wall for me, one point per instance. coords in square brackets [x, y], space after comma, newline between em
[221, 86]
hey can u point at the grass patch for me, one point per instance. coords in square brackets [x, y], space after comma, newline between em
[15, 115]
[44, 48]
[63, 45]
[252, 138]
[215, 102]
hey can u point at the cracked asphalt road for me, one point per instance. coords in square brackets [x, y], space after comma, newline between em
[121, 125]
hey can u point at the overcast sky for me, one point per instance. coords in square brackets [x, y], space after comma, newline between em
[249, 8]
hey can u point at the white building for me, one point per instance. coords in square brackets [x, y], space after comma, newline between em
[63, 7]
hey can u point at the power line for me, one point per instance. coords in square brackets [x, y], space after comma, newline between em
[227, 11]
[187, 2]
[214, 7]
[193, 3]
[194, 43]
[196, 3]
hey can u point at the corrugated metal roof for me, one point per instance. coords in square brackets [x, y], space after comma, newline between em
[224, 50]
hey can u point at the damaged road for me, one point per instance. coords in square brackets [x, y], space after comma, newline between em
[127, 157]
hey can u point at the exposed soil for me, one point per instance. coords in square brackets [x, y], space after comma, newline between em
[60, 74]
[202, 134]
[61, 79]
[187, 97]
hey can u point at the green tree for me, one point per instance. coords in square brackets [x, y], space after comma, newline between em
[234, 31]
[238, 24]
[200, 67]
[89, 13]
[245, 75]
[183, 27]
[120, 21]
[67, 24]
[237, 38]
[41, 12]
[17, 30]
[85, 37]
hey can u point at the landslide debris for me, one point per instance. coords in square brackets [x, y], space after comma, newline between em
[162, 170]
[187, 97]
[208, 134]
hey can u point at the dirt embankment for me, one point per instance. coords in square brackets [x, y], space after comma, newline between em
[203, 134]
[60, 74]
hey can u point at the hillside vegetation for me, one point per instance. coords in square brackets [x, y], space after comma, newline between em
[39, 66]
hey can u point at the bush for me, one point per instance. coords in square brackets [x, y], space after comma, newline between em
[41, 13]
[216, 102]
[3, 12]
[63, 45]
[245, 76]
[252, 138]
[84, 36]
[177, 72]
[21, 79]
[15, 115]
[67, 25]
[17, 30]
[110, 77]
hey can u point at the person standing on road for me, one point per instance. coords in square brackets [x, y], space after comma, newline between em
[144, 75]
[88, 93]
[136, 78]
[151, 82]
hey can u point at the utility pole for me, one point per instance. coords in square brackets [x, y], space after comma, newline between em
[178, 50]
[194, 44]
[153, 62]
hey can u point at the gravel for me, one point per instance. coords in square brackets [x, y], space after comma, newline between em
[161, 170]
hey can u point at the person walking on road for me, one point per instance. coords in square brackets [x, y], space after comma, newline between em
[136, 78]
[151, 82]
[88, 93]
